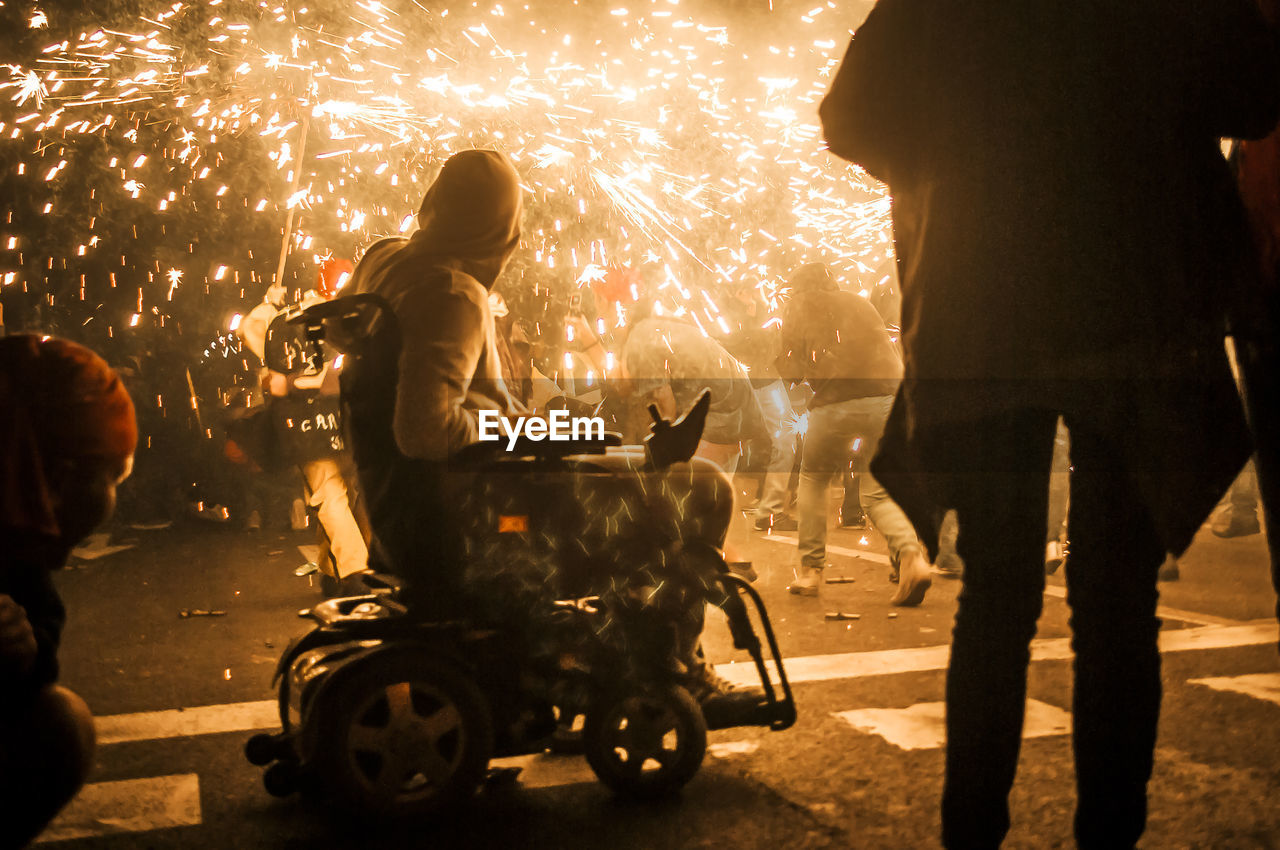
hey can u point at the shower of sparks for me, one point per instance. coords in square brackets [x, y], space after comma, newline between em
[684, 140]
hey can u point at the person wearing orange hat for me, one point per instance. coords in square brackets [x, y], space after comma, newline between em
[67, 438]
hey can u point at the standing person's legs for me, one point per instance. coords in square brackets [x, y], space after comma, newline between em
[327, 491]
[1111, 588]
[1237, 514]
[826, 447]
[865, 417]
[776, 406]
[727, 456]
[1000, 492]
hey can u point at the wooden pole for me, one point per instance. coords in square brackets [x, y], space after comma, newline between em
[293, 190]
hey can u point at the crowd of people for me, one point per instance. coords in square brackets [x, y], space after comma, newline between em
[1072, 250]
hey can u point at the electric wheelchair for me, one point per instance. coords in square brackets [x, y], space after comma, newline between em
[581, 558]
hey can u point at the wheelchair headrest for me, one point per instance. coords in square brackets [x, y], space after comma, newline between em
[305, 337]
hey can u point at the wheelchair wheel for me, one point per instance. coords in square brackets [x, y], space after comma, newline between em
[646, 744]
[403, 737]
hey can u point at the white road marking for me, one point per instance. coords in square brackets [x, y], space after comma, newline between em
[923, 726]
[181, 722]
[129, 805]
[97, 546]
[1263, 686]
[727, 749]
[545, 770]
[873, 557]
[1162, 612]
[262, 714]
[886, 662]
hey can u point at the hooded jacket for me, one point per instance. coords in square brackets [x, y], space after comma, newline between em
[438, 282]
[836, 341]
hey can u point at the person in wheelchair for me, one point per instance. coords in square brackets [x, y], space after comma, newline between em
[413, 399]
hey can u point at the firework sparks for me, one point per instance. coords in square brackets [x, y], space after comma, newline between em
[647, 135]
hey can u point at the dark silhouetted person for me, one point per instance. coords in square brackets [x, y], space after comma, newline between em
[67, 437]
[1256, 332]
[1068, 236]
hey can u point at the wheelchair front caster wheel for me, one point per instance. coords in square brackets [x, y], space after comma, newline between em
[282, 778]
[646, 744]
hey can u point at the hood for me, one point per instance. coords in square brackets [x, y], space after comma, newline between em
[812, 277]
[472, 212]
[57, 400]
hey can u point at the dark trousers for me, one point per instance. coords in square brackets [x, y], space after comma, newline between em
[1000, 493]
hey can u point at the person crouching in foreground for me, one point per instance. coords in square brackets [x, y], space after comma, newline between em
[67, 432]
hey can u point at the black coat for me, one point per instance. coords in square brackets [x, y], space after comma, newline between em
[1068, 233]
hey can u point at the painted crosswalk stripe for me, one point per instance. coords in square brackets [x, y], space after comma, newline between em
[923, 726]
[262, 714]
[887, 662]
[546, 770]
[181, 722]
[1163, 612]
[873, 557]
[1263, 686]
[128, 805]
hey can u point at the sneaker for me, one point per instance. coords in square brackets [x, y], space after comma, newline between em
[1232, 524]
[807, 582]
[949, 565]
[776, 522]
[743, 569]
[914, 578]
[725, 705]
[1055, 555]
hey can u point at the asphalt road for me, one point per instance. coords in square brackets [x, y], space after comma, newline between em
[861, 768]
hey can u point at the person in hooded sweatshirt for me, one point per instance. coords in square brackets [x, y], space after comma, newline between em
[413, 400]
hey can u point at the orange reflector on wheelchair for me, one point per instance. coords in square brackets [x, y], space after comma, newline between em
[508, 524]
